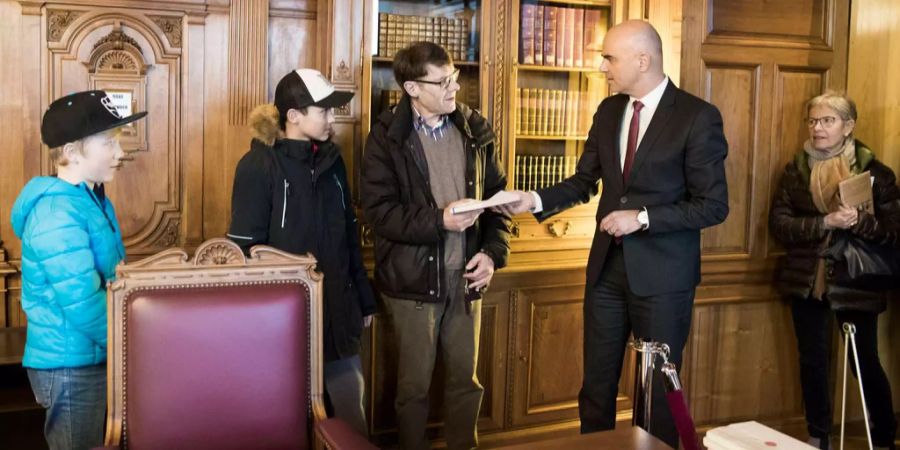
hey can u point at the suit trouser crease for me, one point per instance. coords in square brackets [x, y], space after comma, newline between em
[612, 312]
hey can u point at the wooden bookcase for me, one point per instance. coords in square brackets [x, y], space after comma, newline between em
[392, 24]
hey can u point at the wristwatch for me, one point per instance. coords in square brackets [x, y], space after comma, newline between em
[643, 219]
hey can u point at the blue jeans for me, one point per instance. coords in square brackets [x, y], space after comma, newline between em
[75, 401]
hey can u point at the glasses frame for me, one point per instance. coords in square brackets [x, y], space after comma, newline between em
[445, 83]
[826, 121]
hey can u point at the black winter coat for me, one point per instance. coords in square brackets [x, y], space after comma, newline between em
[397, 201]
[795, 221]
[289, 198]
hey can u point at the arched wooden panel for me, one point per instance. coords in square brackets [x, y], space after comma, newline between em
[147, 191]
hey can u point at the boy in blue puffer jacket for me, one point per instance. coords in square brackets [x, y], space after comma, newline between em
[71, 244]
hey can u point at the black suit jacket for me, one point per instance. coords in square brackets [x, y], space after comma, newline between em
[678, 174]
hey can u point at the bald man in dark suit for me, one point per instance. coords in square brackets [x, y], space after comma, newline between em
[660, 154]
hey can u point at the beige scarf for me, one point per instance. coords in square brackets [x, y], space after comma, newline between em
[828, 169]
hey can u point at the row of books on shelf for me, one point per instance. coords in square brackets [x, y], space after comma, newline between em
[396, 31]
[549, 112]
[538, 172]
[562, 36]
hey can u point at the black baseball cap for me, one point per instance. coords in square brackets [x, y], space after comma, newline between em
[308, 87]
[79, 115]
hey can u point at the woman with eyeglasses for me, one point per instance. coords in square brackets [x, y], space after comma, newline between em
[806, 216]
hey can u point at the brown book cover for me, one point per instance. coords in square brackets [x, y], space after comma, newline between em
[569, 31]
[539, 35]
[551, 115]
[561, 36]
[576, 119]
[532, 111]
[545, 100]
[856, 191]
[526, 33]
[539, 112]
[518, 110]
[528, 120]
[579, 38]
[561, 119]
[561, 115]
[591, 45]
[550, 35]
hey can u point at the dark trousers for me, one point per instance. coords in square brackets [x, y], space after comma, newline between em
[611, 313]
[420, 328]
[811, 323]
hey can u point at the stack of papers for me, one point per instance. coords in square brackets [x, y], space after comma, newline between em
[751, 436]
[500, 198]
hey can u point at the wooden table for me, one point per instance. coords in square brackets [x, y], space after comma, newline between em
[623, 438]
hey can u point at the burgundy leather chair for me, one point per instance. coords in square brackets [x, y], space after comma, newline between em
[219, 352]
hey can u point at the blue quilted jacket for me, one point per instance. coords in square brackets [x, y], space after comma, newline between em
[71, 244]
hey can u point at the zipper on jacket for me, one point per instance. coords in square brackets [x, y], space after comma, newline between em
[439, 259]
[338, 182]
[287, 187]
[102, 209]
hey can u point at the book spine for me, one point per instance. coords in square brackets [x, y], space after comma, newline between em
[579, 38]
[532, 111]
[560, 111]
[518, 110]
[539, 35]
[550, 35]
[551, 119]
[589, 45]
[540, 118]
[561, 36]
[526, 31]
[570, 37]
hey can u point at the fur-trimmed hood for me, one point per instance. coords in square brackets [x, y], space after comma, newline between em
[264, 124]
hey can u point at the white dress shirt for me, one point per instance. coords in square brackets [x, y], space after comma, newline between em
[651, 102]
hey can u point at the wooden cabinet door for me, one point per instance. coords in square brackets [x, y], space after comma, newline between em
[547, 356]
[758, 62]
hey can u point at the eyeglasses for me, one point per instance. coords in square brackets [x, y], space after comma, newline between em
[826, 121]
[445, 83]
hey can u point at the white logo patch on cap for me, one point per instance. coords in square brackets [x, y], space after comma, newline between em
[110, 106]
[316, 83]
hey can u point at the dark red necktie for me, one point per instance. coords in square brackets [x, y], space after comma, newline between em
[633, 131]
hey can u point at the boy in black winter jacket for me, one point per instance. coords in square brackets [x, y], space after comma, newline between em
[291, 193]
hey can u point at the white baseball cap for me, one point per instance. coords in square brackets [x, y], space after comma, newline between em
[308, 87]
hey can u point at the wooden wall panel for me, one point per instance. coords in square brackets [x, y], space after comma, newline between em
[781, 20]
[735, 90]
[176, 190]
[247, 58]
[759, 63]
[547, 380]
[874, 59]
[220, 153]
[291, 45]
[737, 351]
